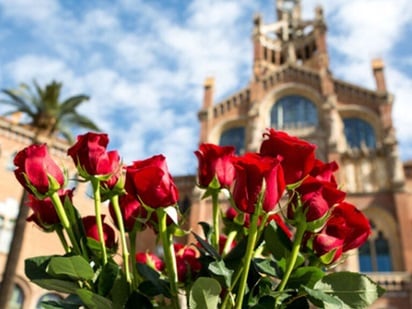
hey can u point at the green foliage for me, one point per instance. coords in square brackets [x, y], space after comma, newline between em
[204, 294]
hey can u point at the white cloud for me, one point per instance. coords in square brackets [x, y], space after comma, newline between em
[148, 61]
[36, 11]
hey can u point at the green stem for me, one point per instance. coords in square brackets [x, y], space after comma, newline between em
[59, 231]
[251, 241]
[97, 205]
[136, 276]
[125, 251]
[300, 231]
[170, 258]
[230, 289]
[216, 218]
[230, 238]
[65, 221]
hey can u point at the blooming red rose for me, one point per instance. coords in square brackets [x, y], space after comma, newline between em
[36, 169]
[346, 229]
[131, 210]
[324, 171]
[44, 212]
[151, 182]
[298, 156]
[150, 260]
[215, 161]
[91, 157]
[187, 262]
[90, 227]
[252, 170]
[317, 198]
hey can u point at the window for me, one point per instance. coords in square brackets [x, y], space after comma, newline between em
[293, 112]
[375, 254]
[359, 132]
[234, 137]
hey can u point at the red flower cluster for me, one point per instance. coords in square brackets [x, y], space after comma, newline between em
[287, 162]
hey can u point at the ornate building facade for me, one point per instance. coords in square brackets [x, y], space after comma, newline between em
[293, 89]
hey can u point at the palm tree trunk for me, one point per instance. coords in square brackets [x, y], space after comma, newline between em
[9, 273]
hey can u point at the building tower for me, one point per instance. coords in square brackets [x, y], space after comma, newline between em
[293, 89]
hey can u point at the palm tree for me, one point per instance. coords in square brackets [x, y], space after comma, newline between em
[50, 117]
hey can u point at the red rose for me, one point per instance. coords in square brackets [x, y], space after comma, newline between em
[151, 181]
[324, 244]
[317, 198]
[90, 227]
[44, 213]
[324, 171]
[187, 262]
[298, 156]
[215, 161]
[252, 171]
[346, 229]
[150, 260]
[91, 157]
[35, 169]
[131, 210]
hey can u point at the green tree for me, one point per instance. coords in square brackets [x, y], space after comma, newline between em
[41, 110]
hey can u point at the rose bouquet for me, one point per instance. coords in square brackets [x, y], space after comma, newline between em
[280, 225]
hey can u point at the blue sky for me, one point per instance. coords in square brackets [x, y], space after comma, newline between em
[144, 62]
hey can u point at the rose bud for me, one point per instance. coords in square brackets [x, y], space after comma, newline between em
[91, 157]
[131, 210]
[215, 161]
[151, 260]
[347, 228]
[90, 227]
[324, 171]
[44, 213]
[37, 172]
[151, 181]
[252, 171]
[298, 156]
[317, 198]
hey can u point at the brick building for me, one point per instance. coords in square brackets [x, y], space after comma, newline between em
[293, 89]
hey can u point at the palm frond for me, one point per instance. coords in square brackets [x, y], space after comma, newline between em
[70, 104]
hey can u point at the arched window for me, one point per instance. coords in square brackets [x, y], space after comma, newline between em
[52, 297]
[293, 111]
[234, 137]
[375, 254]
[359, 132]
